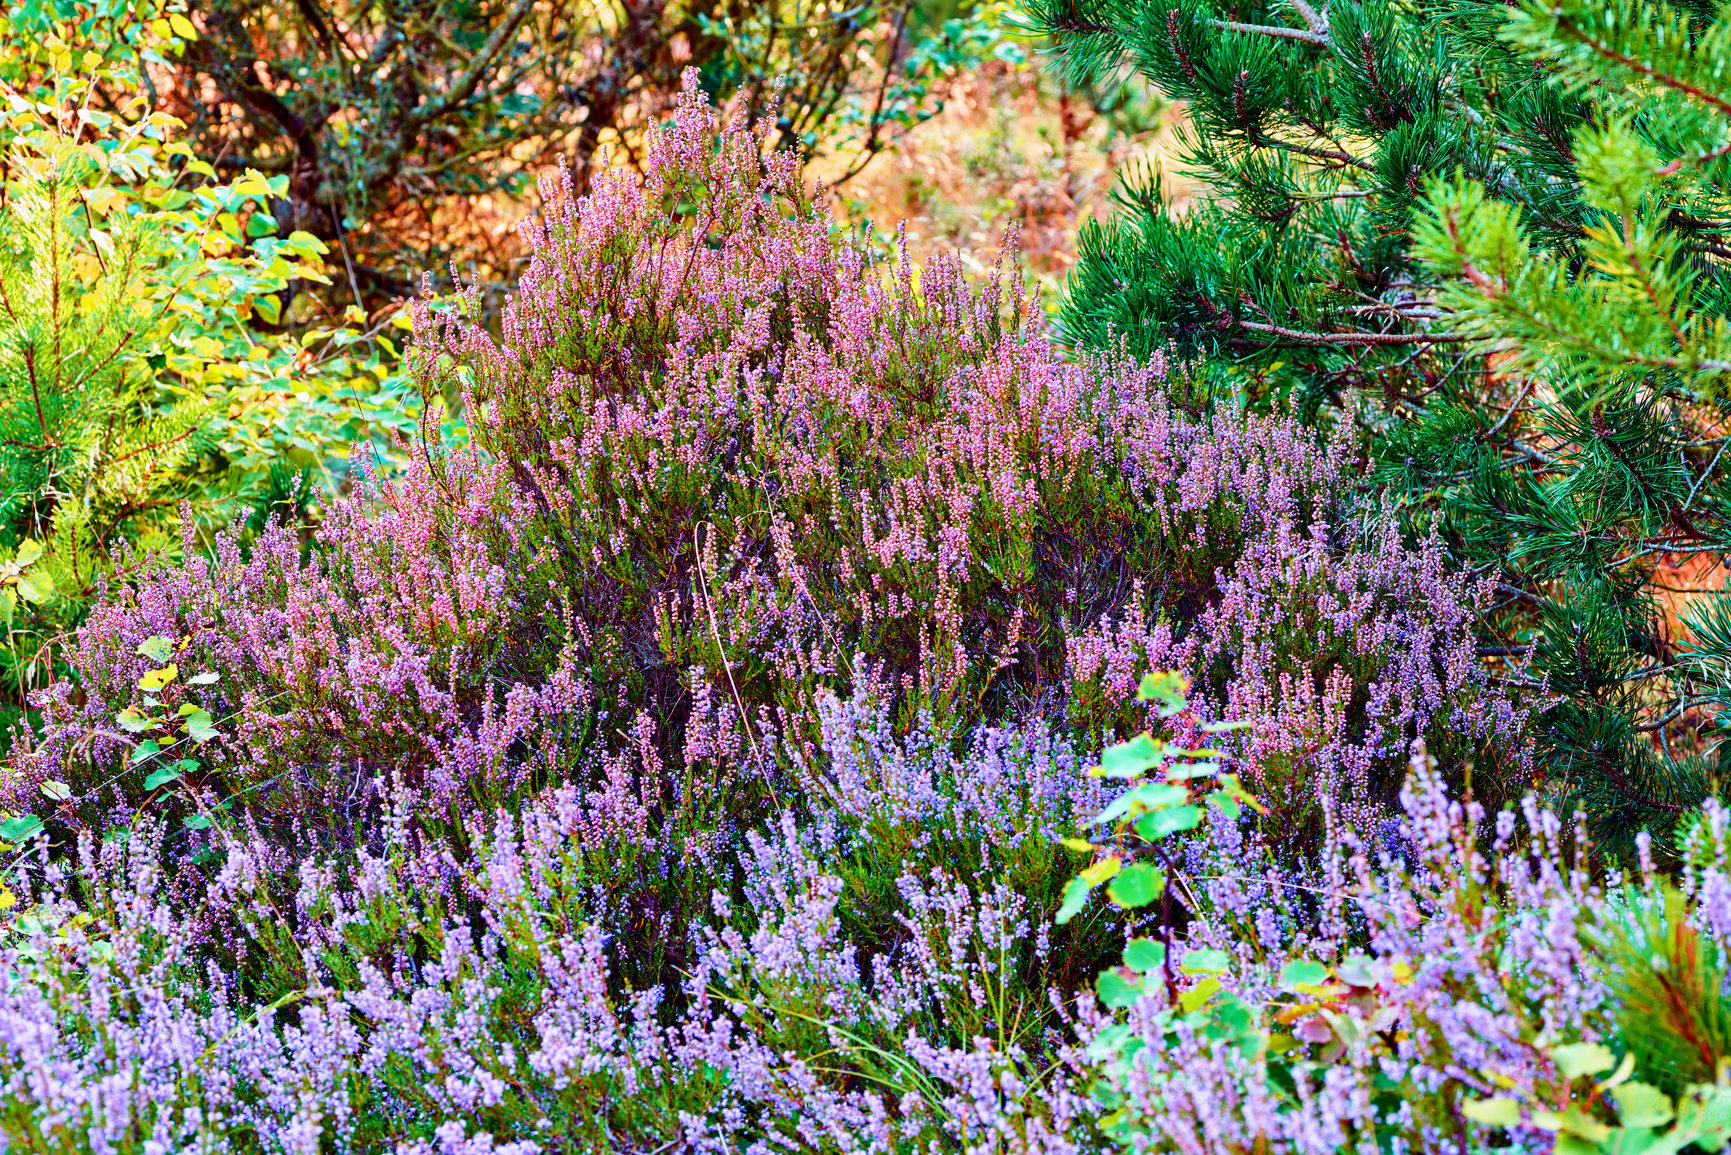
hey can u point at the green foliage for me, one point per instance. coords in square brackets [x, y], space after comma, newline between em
[1641, 1067]
[1672, 1011]
[137, 367]
[1169, 788]
[1494, 241]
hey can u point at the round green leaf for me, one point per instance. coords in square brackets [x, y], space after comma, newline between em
[1116, 990]
[1076, 893]
[1144, 954]
[1206, 962]
[161, 777]
[1137, 885]
[19, 828]
[1130, 759]
[1303, 973]
[1172, 820]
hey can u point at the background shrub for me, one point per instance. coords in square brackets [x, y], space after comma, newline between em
[132, 374]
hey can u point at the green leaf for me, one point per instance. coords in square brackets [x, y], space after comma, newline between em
[1138, 885]
[197, 822]
[1117, 991]
[19, 828]
[1640, 1105]
[1576, 1059]
[1144, 954]
[162, 777]
[1206, 962]
[28, 551]
[1228, 805]
[1076, 893]
[57, 791]
[1493, 1112]
[146, 749]
[1165, 690]
[157, 649]
[1148, 796]
[1302, 973]
[1130, 759]
[1185, 771]
[1159, 824]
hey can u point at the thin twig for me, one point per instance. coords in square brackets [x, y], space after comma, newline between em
[715, 632]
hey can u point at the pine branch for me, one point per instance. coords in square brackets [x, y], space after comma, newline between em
[1355, 338]
[1303, 35]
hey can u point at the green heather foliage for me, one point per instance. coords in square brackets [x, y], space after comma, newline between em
[1492, 239]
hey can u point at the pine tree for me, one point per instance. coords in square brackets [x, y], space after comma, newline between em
[1494, 238]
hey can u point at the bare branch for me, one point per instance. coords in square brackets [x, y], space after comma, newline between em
[1305, 35]
[471, 76]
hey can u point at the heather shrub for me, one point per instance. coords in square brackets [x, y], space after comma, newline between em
[1458, 987]
[684, 756]
[1468, 983]
[721, 468]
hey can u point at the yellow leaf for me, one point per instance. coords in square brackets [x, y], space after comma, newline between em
[157, 679]
[1198, 994]
[1493, 1112]
[1101, 871]
[7, 899]
[182, 26]
[252, 184]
